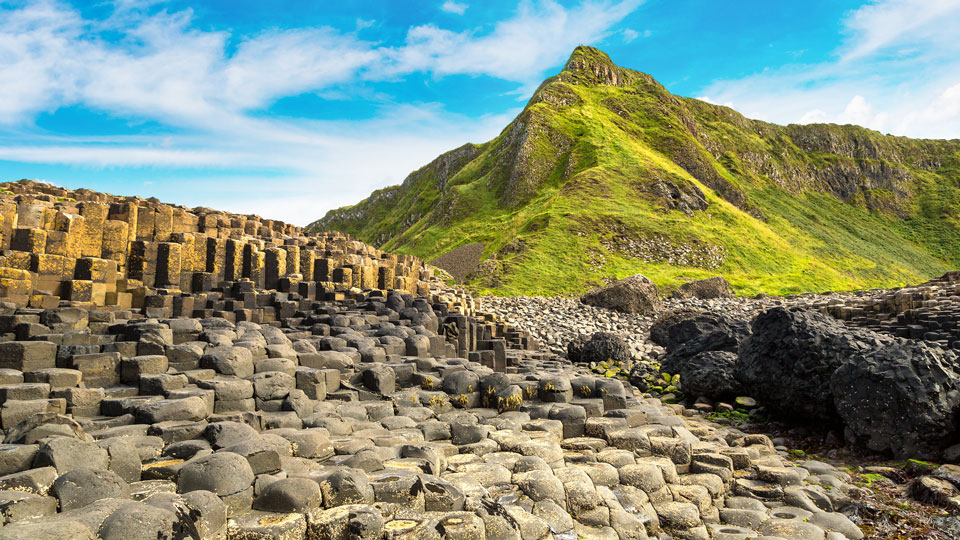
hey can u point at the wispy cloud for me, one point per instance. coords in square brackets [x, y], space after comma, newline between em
[897, 71]
[454, 7]
[164, 68]
[211, 88]
[630, 35]
[889, 25]
[516, 48]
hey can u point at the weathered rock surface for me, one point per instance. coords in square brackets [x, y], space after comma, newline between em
[790, 358]
[706, 289]
[411, 431]
[634, 294]
[600, 347]
[903, 398]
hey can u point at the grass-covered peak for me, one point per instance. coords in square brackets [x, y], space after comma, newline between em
[588, 65]
[605, 174]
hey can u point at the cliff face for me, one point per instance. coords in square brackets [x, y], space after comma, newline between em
[605, 173]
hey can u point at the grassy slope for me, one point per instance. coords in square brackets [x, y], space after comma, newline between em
[594, 157]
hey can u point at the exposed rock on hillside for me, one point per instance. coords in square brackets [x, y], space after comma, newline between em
[462, 261]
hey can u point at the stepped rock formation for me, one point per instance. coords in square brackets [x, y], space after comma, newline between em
[605, 173]
[93, 249]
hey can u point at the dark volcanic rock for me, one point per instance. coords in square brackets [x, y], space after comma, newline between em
[601, 347]
[675, 328]
[706, 289]
[575, 347]
[711, 374]
[660, 329]
[705, 332]
[902, 398]
[634, 294]
[789, 360]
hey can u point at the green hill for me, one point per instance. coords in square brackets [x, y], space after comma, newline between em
[605, 173]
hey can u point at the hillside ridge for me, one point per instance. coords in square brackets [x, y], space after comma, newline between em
[606, 164]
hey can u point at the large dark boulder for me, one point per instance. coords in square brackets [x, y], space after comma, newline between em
[575, 347]
[677, 327]
[707, 332]
[903, 398]
[693, 339]
[600, 347]
[660, 329]
[710, 374]
[634, 294]
[789, 360]
[706, 289]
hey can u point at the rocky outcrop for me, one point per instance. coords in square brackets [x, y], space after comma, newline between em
[600, 347]
[97, 249]
[890, 394]
[728, 337]
[684, 333]
[634, 294]
[711, 374]
[706, 289]
[902, 397]
[790, 358]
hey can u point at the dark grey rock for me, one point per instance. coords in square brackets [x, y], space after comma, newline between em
[903, 398]
[788, 361]
[79, 487]
[138, 521]
[634, 294]
[601, 347]
[222, 473]
[289, 495]
[711, 374]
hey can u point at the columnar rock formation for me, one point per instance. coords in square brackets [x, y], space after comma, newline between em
[94, 249]
[929, 311]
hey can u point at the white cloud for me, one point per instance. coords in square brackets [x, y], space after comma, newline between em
[898, 71]
[453, 7]
[518, 49]
[858, 111]
[206, 89]
[320, 164]
[630, 35]
[712, 102]
[165, 69]
[289, 62]
[889, 24]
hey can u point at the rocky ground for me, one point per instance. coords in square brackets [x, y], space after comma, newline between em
[358, 419]
[555, 321]
[886, 498]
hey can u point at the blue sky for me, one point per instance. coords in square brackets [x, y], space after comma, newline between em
[289, 109]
